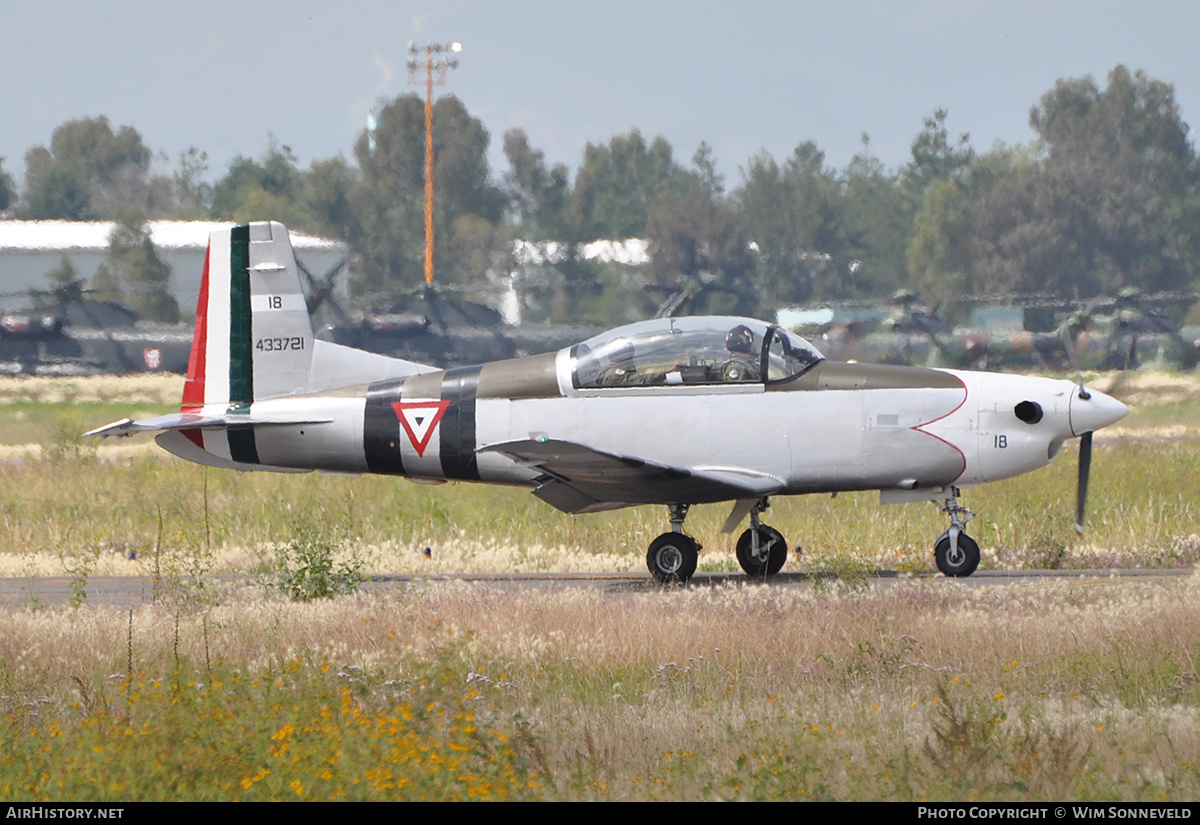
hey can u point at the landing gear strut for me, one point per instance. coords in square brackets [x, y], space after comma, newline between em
[672, 557]
[761, 550]
[956, 553]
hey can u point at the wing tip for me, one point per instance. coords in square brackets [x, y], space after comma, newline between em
[117, 428]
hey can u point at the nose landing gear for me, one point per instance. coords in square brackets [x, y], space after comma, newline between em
[956, 553]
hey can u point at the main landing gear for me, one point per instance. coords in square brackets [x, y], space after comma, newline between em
[761, 550]
[672, 557]
[955, 552]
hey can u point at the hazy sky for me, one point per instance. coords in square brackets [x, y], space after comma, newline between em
[746, 76]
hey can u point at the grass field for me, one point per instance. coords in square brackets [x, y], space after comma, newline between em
[927, 689]
[924, 688]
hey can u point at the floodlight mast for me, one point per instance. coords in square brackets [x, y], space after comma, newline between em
[430, 64]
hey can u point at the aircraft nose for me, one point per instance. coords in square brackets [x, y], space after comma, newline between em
[1093, 411]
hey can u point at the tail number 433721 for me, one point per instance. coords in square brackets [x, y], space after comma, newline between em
[279, 344]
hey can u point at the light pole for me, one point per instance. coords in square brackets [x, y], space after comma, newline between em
[429, 57]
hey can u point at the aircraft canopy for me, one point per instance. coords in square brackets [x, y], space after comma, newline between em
[699, 350]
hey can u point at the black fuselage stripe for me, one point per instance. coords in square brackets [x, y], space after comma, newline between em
[457, 452]
[381, 429]
[242, 447]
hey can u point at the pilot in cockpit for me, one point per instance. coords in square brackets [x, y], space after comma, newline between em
[743, 362]
[622, 371]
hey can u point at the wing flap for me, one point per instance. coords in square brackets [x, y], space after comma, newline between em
[582, 479]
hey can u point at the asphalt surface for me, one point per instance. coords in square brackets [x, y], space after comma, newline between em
[135, 591]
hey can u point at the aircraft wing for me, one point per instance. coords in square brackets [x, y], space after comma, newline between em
[193, 421]
[581, 479]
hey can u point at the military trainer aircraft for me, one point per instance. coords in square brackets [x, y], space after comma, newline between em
[675, 411]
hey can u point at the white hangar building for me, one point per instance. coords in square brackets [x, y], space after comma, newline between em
[29, 250]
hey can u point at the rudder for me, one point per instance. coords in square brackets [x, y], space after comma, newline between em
[253, 338]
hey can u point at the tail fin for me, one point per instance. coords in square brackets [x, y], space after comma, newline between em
[253, 338]
[253, 341]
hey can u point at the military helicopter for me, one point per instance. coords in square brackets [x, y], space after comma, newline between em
[1043, 333]
[66, 332]
[430, 324]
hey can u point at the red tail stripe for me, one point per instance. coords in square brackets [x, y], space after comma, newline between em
[193, 389]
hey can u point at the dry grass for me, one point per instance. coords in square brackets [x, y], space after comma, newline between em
[142, 388]
[922, 689]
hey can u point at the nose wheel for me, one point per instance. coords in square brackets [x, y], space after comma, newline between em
[956, 553]
[958, 559]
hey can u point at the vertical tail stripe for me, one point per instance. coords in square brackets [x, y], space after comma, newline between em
[193, 389]
[216, 321]
[241, 352]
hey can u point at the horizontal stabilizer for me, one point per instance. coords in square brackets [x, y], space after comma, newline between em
[195, 421]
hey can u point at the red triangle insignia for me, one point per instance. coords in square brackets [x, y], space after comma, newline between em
[419, 419]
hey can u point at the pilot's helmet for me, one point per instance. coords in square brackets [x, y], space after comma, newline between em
[740, 340]
[620, 353]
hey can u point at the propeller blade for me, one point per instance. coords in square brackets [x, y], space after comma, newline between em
[1085, 467]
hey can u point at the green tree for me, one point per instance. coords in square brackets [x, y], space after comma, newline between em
[876, 223]
[935, 158]
[89, 171]
[133, 272]
[1110, 202]
[55, 191]
[704, 167]
[8, 189]
[327, 195]
[64, 274]
[193, 194]
[618, 182]
[697, 244]
[389, 197]
[537, 197]
[792, 220]
[264, 189]
[938, 257]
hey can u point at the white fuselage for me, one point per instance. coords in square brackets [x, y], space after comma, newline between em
[790, 442]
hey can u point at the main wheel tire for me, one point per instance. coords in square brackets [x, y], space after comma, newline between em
[672, 557]
[958, 564]
[767, 564]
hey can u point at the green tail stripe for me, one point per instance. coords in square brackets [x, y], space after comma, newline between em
[241, 352]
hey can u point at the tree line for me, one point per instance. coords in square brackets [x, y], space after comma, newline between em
[1106, 195]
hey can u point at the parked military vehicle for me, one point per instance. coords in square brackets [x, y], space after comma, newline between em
[65, 332]
[1126, 332]
[431, 325]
